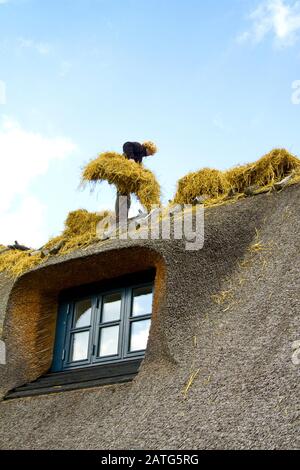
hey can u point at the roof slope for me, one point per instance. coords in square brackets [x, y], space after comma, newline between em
[230, 314]
[5, 286]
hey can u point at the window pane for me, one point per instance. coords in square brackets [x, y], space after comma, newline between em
[109, 338]
[83, 312]
[111, 307]
[80, 346]
[139, 335]
[142, 301]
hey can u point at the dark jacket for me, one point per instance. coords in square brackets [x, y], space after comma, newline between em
[134, 151]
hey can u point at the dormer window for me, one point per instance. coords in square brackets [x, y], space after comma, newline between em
[101, 335]
[106, 327]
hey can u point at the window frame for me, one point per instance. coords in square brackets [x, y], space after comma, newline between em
[131, 319]
[65, 328]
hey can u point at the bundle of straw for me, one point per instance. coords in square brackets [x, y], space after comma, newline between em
[269, 169]
[214, 184]
[206, 182]
[79, 232]
[127, 175]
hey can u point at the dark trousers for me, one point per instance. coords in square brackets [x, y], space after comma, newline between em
[123, 203]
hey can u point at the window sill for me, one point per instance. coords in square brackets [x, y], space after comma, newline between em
[105, 374]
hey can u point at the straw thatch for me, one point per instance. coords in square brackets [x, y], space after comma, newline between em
[206, 182]
[130, 177]
[215, 185]
[246, 394]
[15, 262]
[79, 232]
[269, 169]
[127, 175]
[151, 147]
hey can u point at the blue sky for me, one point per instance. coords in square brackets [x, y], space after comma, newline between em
[209, 81]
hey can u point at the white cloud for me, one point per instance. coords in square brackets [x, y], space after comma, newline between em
[24, 157]
[276, 17]
[2, 91]
[41, 47]
[25, 223]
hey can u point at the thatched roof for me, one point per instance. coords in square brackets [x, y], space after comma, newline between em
[5, 286]
[79, 232]
[218, 370]
[274, 171]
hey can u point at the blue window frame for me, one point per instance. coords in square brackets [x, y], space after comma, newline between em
[106, 327]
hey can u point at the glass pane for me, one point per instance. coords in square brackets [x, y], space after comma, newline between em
[142, 301]
[109, 338]
[111, 307]
[83, 310]
[80, 346]
[139, 335]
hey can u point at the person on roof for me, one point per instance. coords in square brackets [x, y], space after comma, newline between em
[132, 151]
[136, 151]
